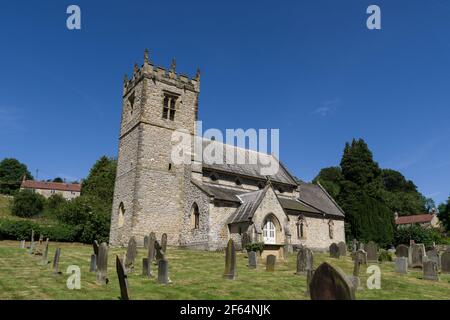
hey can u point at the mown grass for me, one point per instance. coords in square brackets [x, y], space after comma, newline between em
[195, 275]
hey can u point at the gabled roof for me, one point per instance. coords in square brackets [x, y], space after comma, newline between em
[60, 186]
[219, 192]
[316, 196]
[419, 218]
[294, 204]
[250, 202]
[249, 168]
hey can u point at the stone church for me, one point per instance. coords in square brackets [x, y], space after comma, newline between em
[202, 205]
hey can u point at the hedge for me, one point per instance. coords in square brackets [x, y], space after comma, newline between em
[21, 230]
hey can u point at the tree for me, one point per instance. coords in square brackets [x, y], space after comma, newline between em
[331, 179]
[58, 179]
[11, 174]
[27, 203]
[444, 215]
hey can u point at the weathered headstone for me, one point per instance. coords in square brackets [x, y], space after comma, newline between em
[304, 260]
[102, 264]
[445, 262]
[146, 242]
[433, 255]
[245, 239]
[145, 267]
[401, 251]
[286, 249]
[164, 243]
[44, 260]
[131, 255]
[159, 254]
[430, 270]
[95, 246]
[163, 271]
[151, 249]
[32, 237]
[309, 260]
[123, 282]
[22, 244]
[330, 283]
[270, 262]
[230, 261]
[372, 251]
[342, 248]
[361, 246]
[416, 255]
[56, 261]
[401, 265]
[93, 263]
[354, 245]
[41, 238]
[252, 259]
[334, 250]
[309, 275]
[31, 251]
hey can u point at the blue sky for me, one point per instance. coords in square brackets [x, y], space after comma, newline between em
[310, 68]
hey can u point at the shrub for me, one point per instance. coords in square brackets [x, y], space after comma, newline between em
[27, 203]
[255, 246]
[54, 204]
[384, 256]
[419, 235]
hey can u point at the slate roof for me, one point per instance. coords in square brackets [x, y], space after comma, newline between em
[31, 184]
[293, 204]
[261, 160]
[250, 202]
[419, 218]
[220, 192]
[315, 195]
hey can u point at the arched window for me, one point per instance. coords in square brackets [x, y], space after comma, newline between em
[330, 228]
[301, 227]
[269, 232]
[195, 216]
[121, 218]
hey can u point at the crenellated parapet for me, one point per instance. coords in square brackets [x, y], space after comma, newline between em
[158, 73]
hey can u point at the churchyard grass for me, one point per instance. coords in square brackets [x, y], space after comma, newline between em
[194, 275]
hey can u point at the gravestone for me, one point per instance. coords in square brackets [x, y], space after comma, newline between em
[401, 251]
[163, 271]
[31, 251]
[123, 281]
[44, 260]
[334, 251]
[360, 258]
[433, 255]
[145, 267]
[32, 237]
[131, 255]
[252, 260]
[416, 255]
[164, 243]
[342, 248]
[401, 265]
[309, 259]
[361, 246]
[245, 239]
[95, 247]
[102, 264]
[301, 261]
[309, 275]
[270, 262]
[93, 264]
[22, 244]
[146, 242]
[159, 254]
[445, 262]
[56, 261]
[372, 251]
[354, 245]
[41, 238]
[230, 261]
[286, 249]
[330, 283]
[430, 270]
[151, 249]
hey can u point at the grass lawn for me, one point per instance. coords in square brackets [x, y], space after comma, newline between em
[195, 275]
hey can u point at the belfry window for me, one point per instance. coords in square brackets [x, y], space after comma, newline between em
[131, 103]
[169, 107]
[121, 218]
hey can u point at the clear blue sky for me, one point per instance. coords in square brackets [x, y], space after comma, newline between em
[310, 68]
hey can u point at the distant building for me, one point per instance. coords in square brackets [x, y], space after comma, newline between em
[427, 220]
[47, 189]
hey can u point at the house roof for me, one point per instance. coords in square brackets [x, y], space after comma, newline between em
[60, 186]
[246, 162]
[419, 218]
[316, 196]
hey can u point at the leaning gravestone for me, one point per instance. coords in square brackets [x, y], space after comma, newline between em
[93, 264]
[163, 271]
[146, 242]
[334, 251]
[401, 251]
[131, 255]
[22, 244]
[252, 260]
[433, 255]
[372, 251]
[401, 265]
[301, 261]
[56, 261]
[145, 267]
[123, 282]
[230, 261]
[270, 262]
[95, 246]
[430, 270]
[342, 248]
[330, 283]
[164, 242]
[102, 264]
[151, 248]
[44, 260]
[416, 253]
[245, 239]
[159, 254]
[309, 259]
[445, 262]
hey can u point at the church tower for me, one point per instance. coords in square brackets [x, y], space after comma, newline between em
[149, 188]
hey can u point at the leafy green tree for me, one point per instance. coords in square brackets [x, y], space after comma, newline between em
[331, 179]
[27, 203]
[11, 174]
[58, 179]
[54, 204]
[444, 215]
